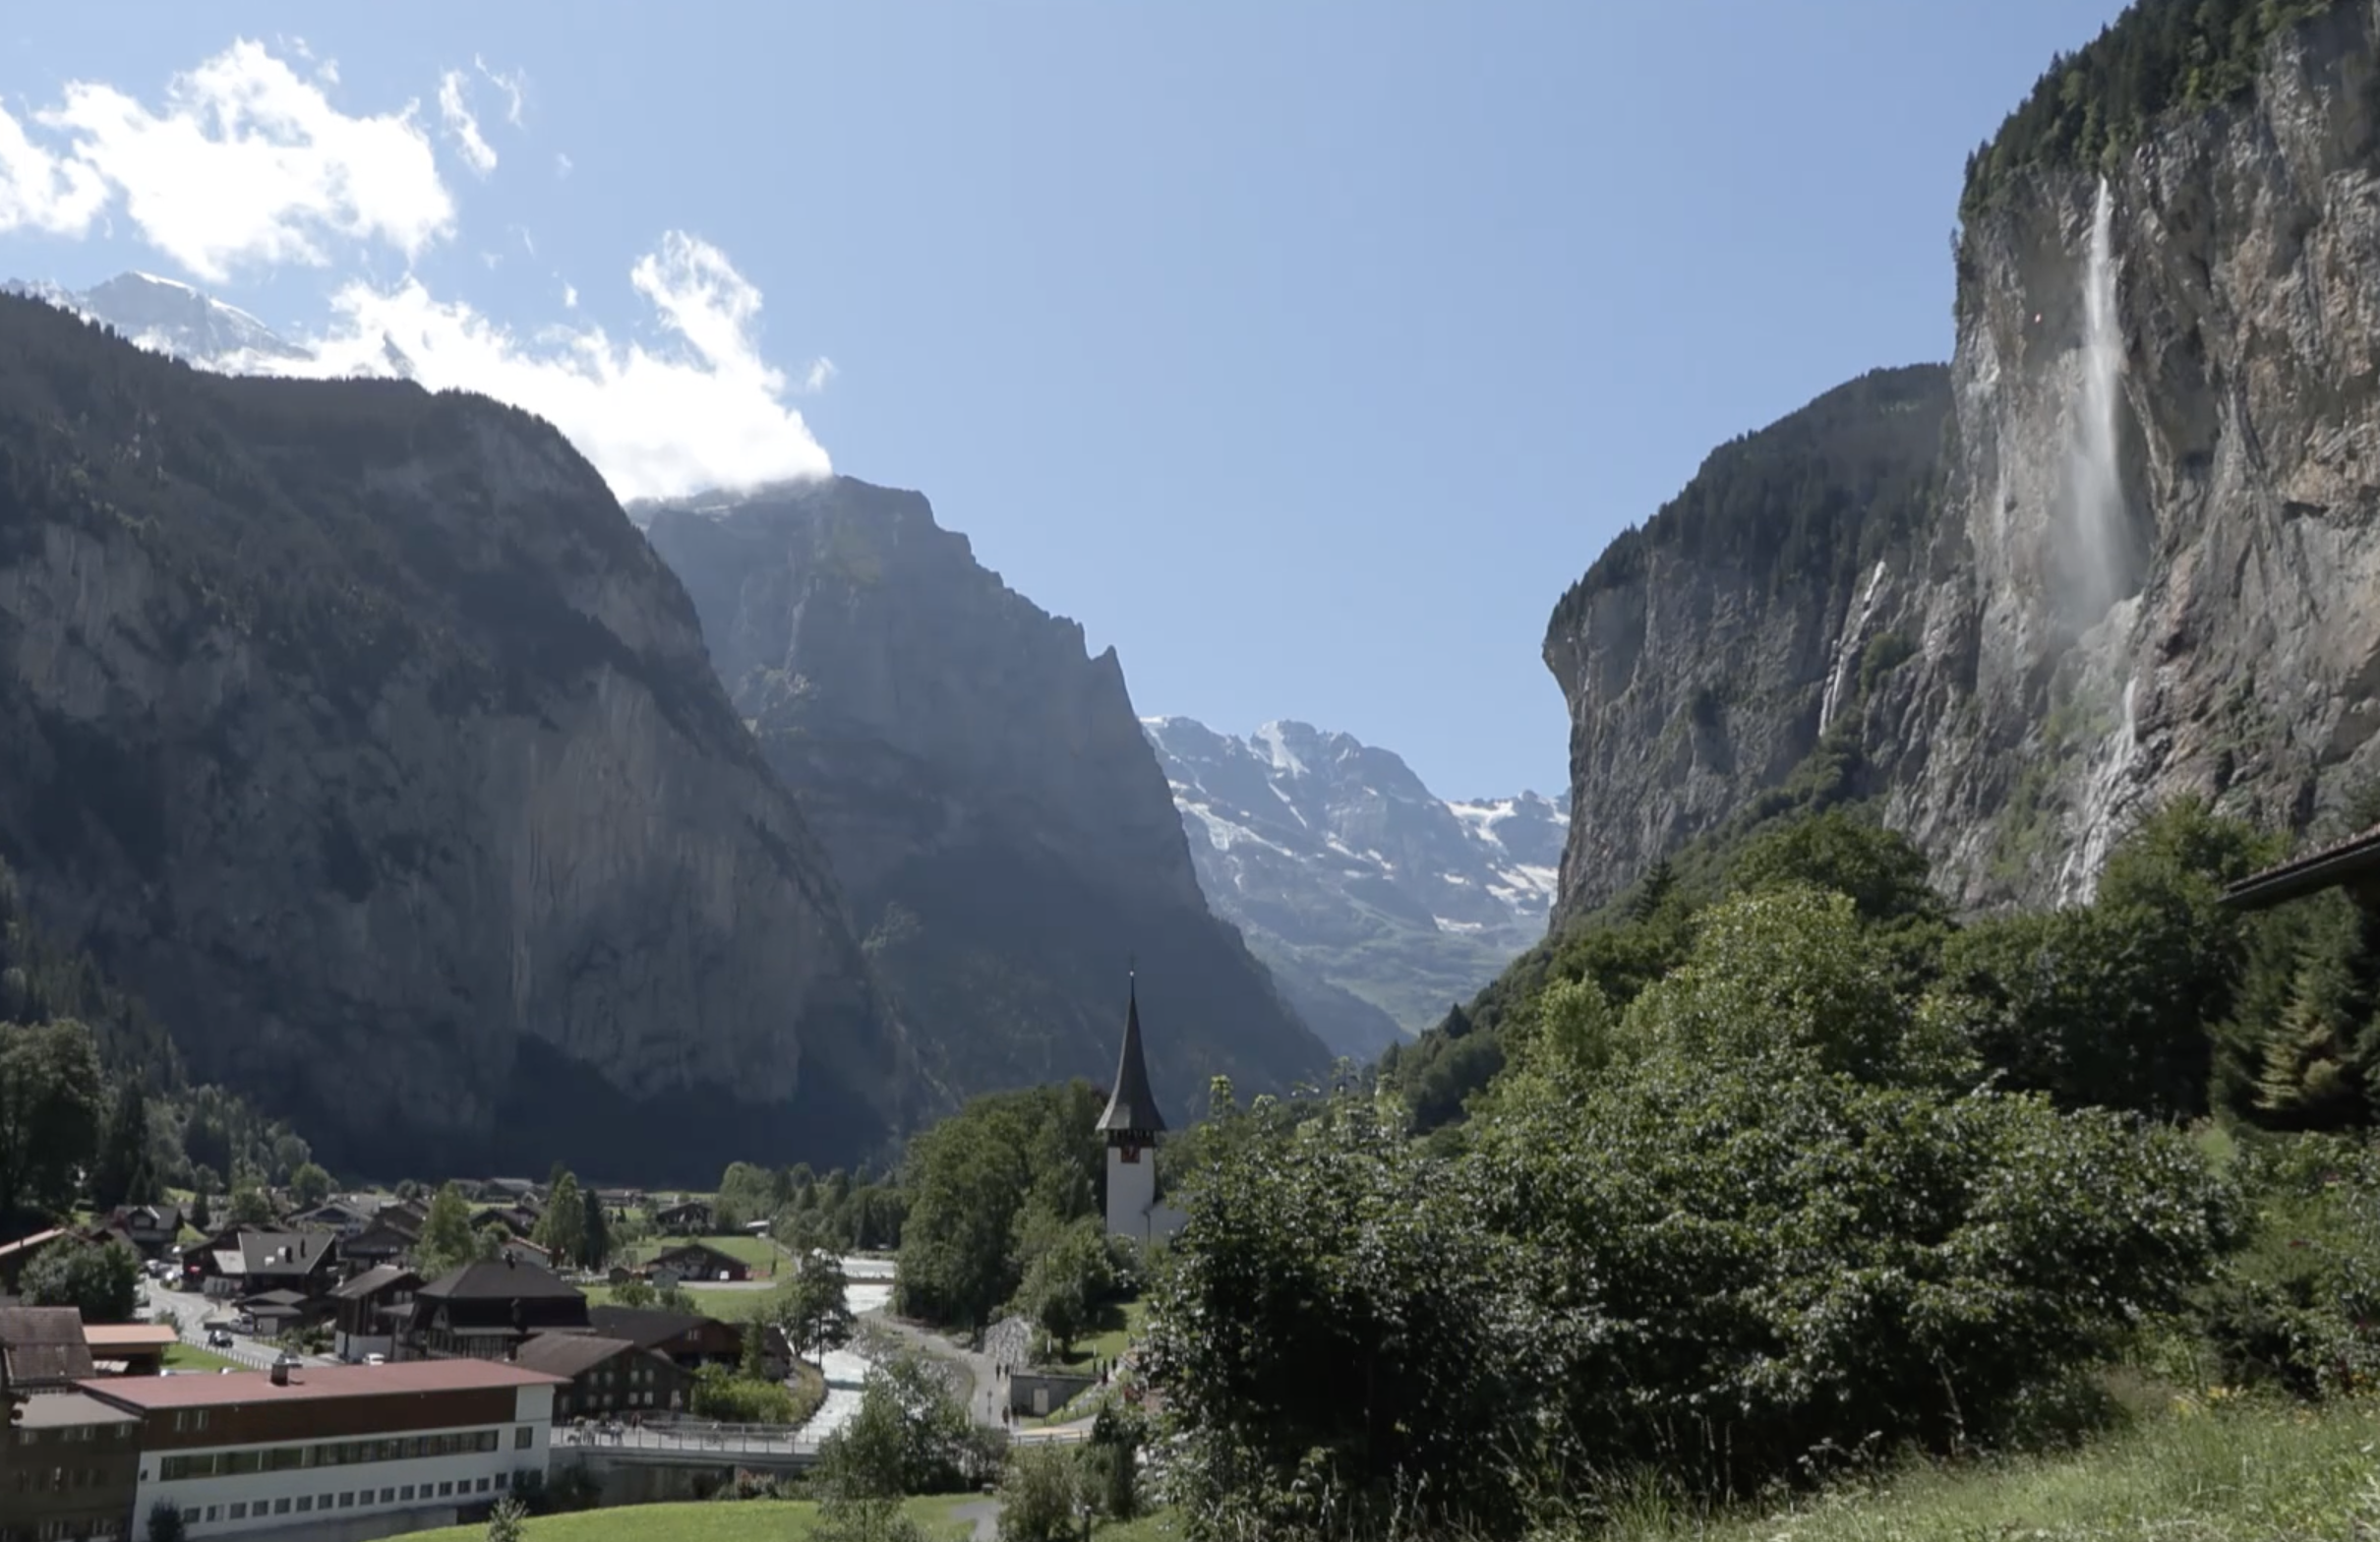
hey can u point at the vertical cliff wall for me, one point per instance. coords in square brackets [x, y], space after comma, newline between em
[2023, 701]
[359, 731]
[982, 785]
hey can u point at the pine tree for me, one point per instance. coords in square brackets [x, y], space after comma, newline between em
[595, 1238]
[120, 1172]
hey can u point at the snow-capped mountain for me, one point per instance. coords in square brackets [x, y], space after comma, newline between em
[173, 318]
[1346, 873]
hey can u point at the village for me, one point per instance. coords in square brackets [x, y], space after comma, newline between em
[263, 1353]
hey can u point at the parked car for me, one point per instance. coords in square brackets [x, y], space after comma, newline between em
[218, 1338]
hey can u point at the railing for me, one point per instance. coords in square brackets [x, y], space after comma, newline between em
[690, 1436]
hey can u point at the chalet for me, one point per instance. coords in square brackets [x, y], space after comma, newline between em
[368, 1309]
[129, 1348]
[152, 1229]
[699, 1262]
[510, 1189]
[301, 1262]
[14, 1256]
[518, 1219]
[686, 1218]
[281, 1310]
[42, 1348]
[619, 1201]
[605, 1376]
[520, 1249]
[485, 1310]
[346, 1217]
[689, 1339]
[391, 1236]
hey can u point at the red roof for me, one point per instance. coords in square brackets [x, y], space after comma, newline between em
[309, 1382]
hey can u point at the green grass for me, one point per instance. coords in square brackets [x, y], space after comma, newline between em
[2228, 1473]
[190, 1357]
[759, 1252]
[1119, 1323]
[715, 1521]
[727, 1306]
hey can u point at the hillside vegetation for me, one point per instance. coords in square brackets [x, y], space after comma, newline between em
[1781, 1176]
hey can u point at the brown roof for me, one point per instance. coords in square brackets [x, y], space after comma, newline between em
[32, 1244]
[70, 1410]
[129, 1336]
[378, 1278]
[567, 1354]
[2310, 873]
[309, 1383]
[43, 1343]
[498, 1280]
[644, 1326]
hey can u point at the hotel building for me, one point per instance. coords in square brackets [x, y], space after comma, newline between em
[382, 1449]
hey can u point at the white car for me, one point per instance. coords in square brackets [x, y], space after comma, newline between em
[375, 1359]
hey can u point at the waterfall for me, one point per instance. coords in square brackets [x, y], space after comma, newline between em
[1847, 649]
[2080, 877]
[2097, 479]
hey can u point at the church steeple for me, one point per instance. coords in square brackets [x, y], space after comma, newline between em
[1131, 1117]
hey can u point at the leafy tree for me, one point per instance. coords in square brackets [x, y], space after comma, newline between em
[966, 1180]
[813, 1306]
[250, 1207]
[1041, 1495]
[49, 1115]
[199, 1219]
[101, 1280]
[488, 1242]
[722, 1394]
[309, 1185]
[1068, 1279]
[909, 1435]
[447, 1241]
[122, 1172]
[505, 1522]
[165, 1522]
[632, 1292]
[562, 1228]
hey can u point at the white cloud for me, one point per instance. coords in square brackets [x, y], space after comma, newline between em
[462, 127]
[709, 412]
[569, 297]
[249, 163]
[42, 191]
[815, 379]
[512, 85]
[561, 164]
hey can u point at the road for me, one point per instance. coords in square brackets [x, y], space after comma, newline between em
[188, 1311]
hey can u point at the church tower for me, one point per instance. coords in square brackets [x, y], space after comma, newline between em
[1132, 1125]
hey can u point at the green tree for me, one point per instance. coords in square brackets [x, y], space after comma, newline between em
[250, 1207]
[488, 1242]
[1069, 1276]
[165, 1522]
[199, 1219]
[594, 1231]
[910, 1434]
[562, 1228]
[632, 1292]
[309, 1185]
[122, 1171]
[101, 1280]
[1042, 1495]
[967, 1180]
[813, 1306]
[49, 1115]
[506, 1521]
[447, 1241]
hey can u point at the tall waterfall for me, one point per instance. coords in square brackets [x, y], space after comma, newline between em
[2079, 879]
[2097, 479]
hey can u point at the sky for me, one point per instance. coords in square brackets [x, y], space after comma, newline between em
[1303, 350]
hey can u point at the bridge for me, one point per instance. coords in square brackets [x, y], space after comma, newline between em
[687, 1458]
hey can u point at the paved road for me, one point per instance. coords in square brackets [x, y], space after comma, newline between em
[188, 1311]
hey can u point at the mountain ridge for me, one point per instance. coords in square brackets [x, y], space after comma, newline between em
[1350, 876]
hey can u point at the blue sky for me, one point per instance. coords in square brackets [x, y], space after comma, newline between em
[1304, 350]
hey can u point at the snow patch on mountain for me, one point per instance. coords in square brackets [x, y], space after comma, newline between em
[1341, 867]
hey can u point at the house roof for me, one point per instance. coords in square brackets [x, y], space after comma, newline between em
[70, 1410]
[28, 1246]
[695, 1245]
[120, 1337]
[233, 1388]
[567, 1354]
[2342, 862]
[498, 1280]
[287, 1253]
[43, 1343]
[644, 1326]
[272, 1298]
[380, 1277]
[1132, 1106]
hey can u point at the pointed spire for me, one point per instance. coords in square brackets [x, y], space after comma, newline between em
[1131, 1106]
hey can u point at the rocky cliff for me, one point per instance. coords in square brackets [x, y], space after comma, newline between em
[2143, 563]
[1376, 902]
[359, 731]
[982, 787]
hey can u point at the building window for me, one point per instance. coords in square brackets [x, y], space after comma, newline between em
[238, 1512]
[347, 1501]
[211, 1513]
[388, 1495]
[482, 1486]
[405, 1493]
[305, 1503]
[520, 1438]
[446, 1490]
[281, 1507]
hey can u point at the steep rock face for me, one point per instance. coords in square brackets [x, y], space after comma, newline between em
[1704, 654]
[358, 729]
[983, 790]
[1352, 878]
[2026, 702]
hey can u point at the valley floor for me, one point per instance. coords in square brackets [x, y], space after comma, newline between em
[2199, 1474]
